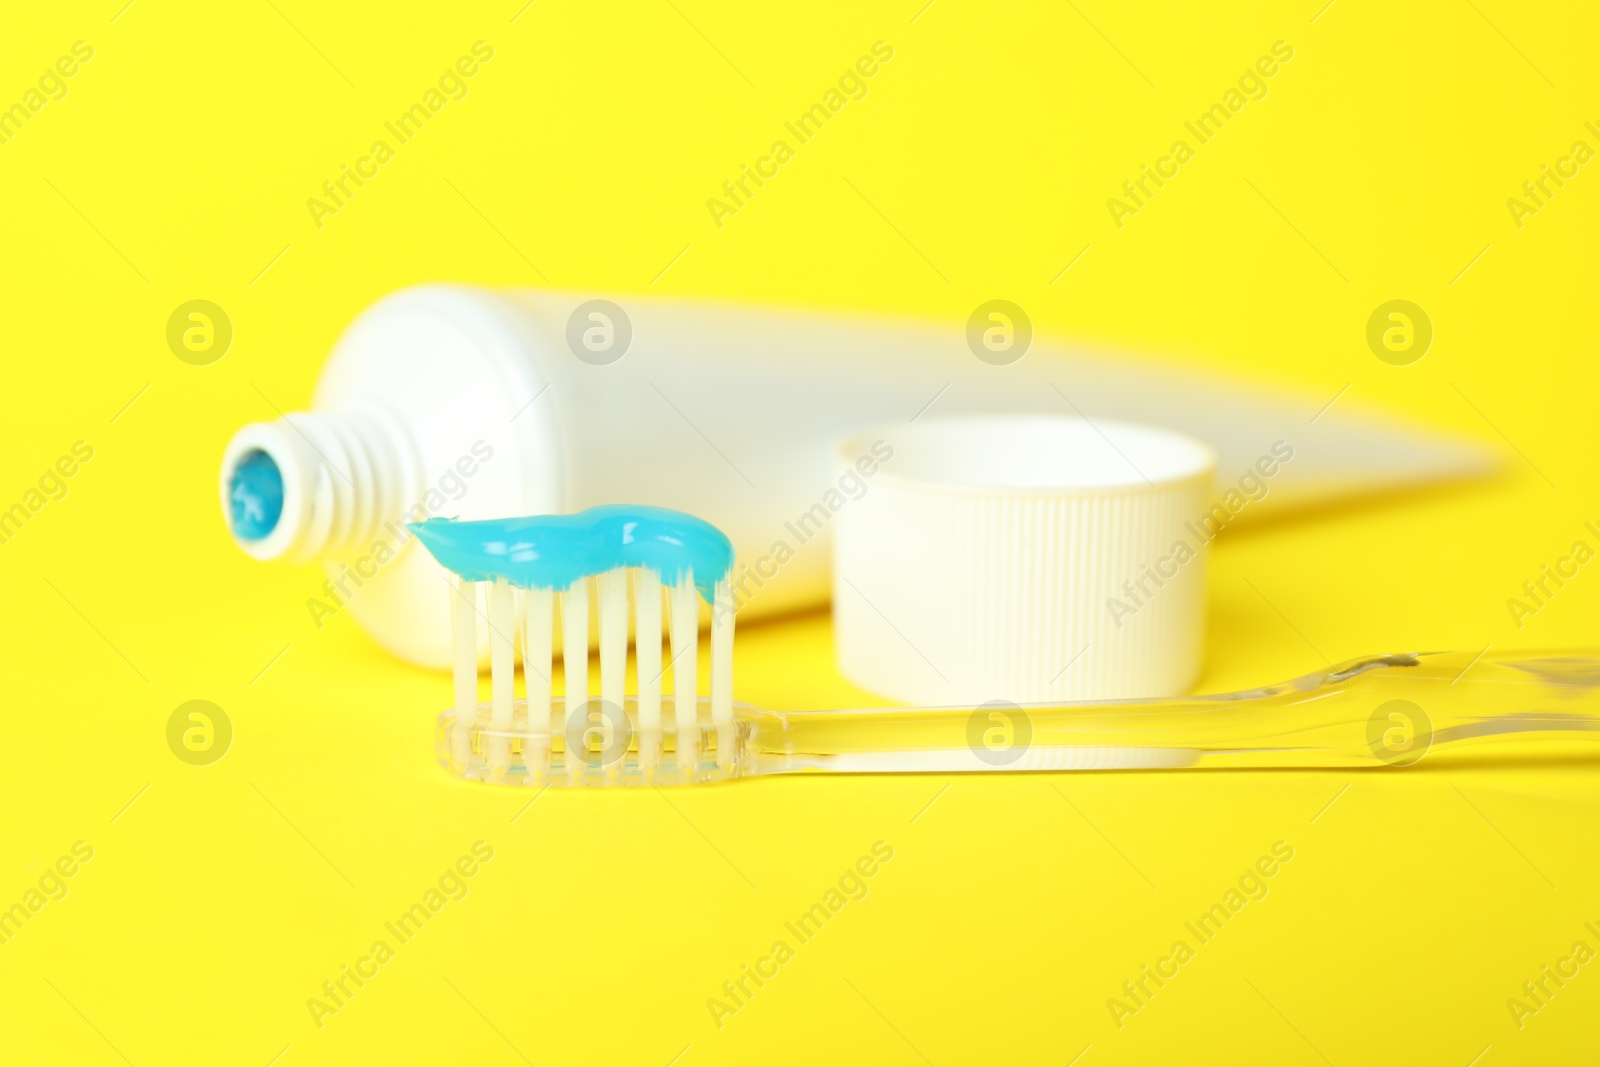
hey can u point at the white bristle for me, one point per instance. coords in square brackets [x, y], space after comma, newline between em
[575, 661]
[464, 626]
[538, 629]
[502, 671]
[613, 594]
[575, 641]
[685, 668]
[647, 663]
[722, 670]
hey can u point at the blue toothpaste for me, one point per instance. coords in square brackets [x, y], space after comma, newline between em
[553, 551]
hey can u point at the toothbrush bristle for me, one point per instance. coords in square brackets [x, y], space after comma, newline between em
[575, 662]
[502, 672]
[685, 667]
[538, 639]
[510, 740]
[647, 664]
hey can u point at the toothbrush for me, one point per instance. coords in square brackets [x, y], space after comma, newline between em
[533, 558]
[1386, 710]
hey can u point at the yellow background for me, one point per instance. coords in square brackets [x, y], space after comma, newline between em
[178, 166]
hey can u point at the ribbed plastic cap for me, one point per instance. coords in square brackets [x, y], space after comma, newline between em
[1023, 559]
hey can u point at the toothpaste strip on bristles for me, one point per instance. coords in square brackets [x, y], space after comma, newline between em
[544, 555]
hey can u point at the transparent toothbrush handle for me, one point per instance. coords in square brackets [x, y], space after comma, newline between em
[1380, 710]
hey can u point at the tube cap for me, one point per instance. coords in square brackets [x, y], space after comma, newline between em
[1024, 559]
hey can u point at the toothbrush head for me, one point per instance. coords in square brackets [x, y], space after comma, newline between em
[596, 742]
[529, 567]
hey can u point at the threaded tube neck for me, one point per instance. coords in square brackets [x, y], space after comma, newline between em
[313, 485]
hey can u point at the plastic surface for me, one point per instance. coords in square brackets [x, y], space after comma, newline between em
[1026, 559]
